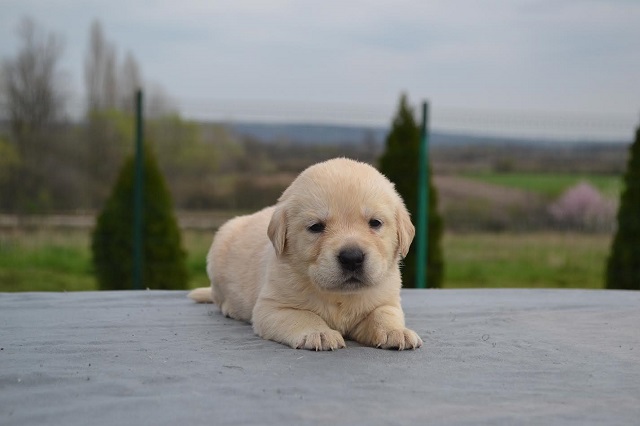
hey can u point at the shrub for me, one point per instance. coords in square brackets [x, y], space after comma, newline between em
[400, 164]
[112, 239]
[623, 266]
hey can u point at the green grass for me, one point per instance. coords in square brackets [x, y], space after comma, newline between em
[197, 245]
[550, 185]
[60, 260]
[537, 260]
[55, 260]
[45, 261]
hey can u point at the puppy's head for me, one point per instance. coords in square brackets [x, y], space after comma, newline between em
[342, 224]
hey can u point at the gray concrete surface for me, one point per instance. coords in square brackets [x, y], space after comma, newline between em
[545, 357]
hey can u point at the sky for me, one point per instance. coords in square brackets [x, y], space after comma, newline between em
[547, 65]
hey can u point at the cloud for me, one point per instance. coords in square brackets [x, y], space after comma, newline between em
[572, 55]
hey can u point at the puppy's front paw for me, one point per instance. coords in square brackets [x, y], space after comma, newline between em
[327, 340]
[397, 339]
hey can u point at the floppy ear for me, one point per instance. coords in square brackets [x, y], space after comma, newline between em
[406, 230]
[277, 230]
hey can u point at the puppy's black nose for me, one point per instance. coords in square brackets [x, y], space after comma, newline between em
[351, 258]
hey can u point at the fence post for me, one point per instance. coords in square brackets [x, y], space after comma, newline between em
[138, 198]
[422, 225]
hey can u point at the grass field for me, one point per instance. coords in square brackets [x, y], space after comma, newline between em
[537, 260]
[59, 260]
[550, 185]
[45, 261]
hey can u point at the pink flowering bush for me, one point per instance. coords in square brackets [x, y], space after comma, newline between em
[583, 207]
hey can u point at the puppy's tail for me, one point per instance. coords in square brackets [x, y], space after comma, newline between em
[201, 295]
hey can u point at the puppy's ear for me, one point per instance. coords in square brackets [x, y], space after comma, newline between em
[277, 230]
[406, 230]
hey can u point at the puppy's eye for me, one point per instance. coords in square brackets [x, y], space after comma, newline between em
[375, 224]
[316, 228]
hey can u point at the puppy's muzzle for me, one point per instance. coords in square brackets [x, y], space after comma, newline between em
[351, 259]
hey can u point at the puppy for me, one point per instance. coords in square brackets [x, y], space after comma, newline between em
[320, 265]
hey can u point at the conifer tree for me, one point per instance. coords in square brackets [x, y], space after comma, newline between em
[623, 266]
[112, 239]
[400, 164]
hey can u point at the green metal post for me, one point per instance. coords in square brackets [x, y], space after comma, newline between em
[138, 195]
[422, 225]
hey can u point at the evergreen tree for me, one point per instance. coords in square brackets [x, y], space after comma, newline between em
[623, 266]
[112, 239]
[400, 164]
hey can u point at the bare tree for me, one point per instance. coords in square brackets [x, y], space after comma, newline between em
[110, 88]
[100, 71]
[34, 101]
[31, 82]
[103, 148]
[130, 81]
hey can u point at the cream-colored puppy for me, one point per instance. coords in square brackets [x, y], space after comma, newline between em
[320, 265]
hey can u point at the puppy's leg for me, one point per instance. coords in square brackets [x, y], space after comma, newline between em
[384, 328]
[297, 328]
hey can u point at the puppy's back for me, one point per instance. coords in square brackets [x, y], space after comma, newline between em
[235, 263]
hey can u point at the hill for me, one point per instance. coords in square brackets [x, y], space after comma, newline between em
[312, 134]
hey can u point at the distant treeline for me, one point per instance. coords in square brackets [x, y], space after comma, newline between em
[579, 158]
[215, 166]
[455, 152]
[73, 166]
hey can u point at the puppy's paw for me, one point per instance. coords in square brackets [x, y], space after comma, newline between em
[399, 339]
[327, 340]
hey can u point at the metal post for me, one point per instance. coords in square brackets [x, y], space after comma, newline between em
[422, 225]
[138, 195]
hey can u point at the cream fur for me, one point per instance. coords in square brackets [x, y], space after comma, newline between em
[269, 269]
